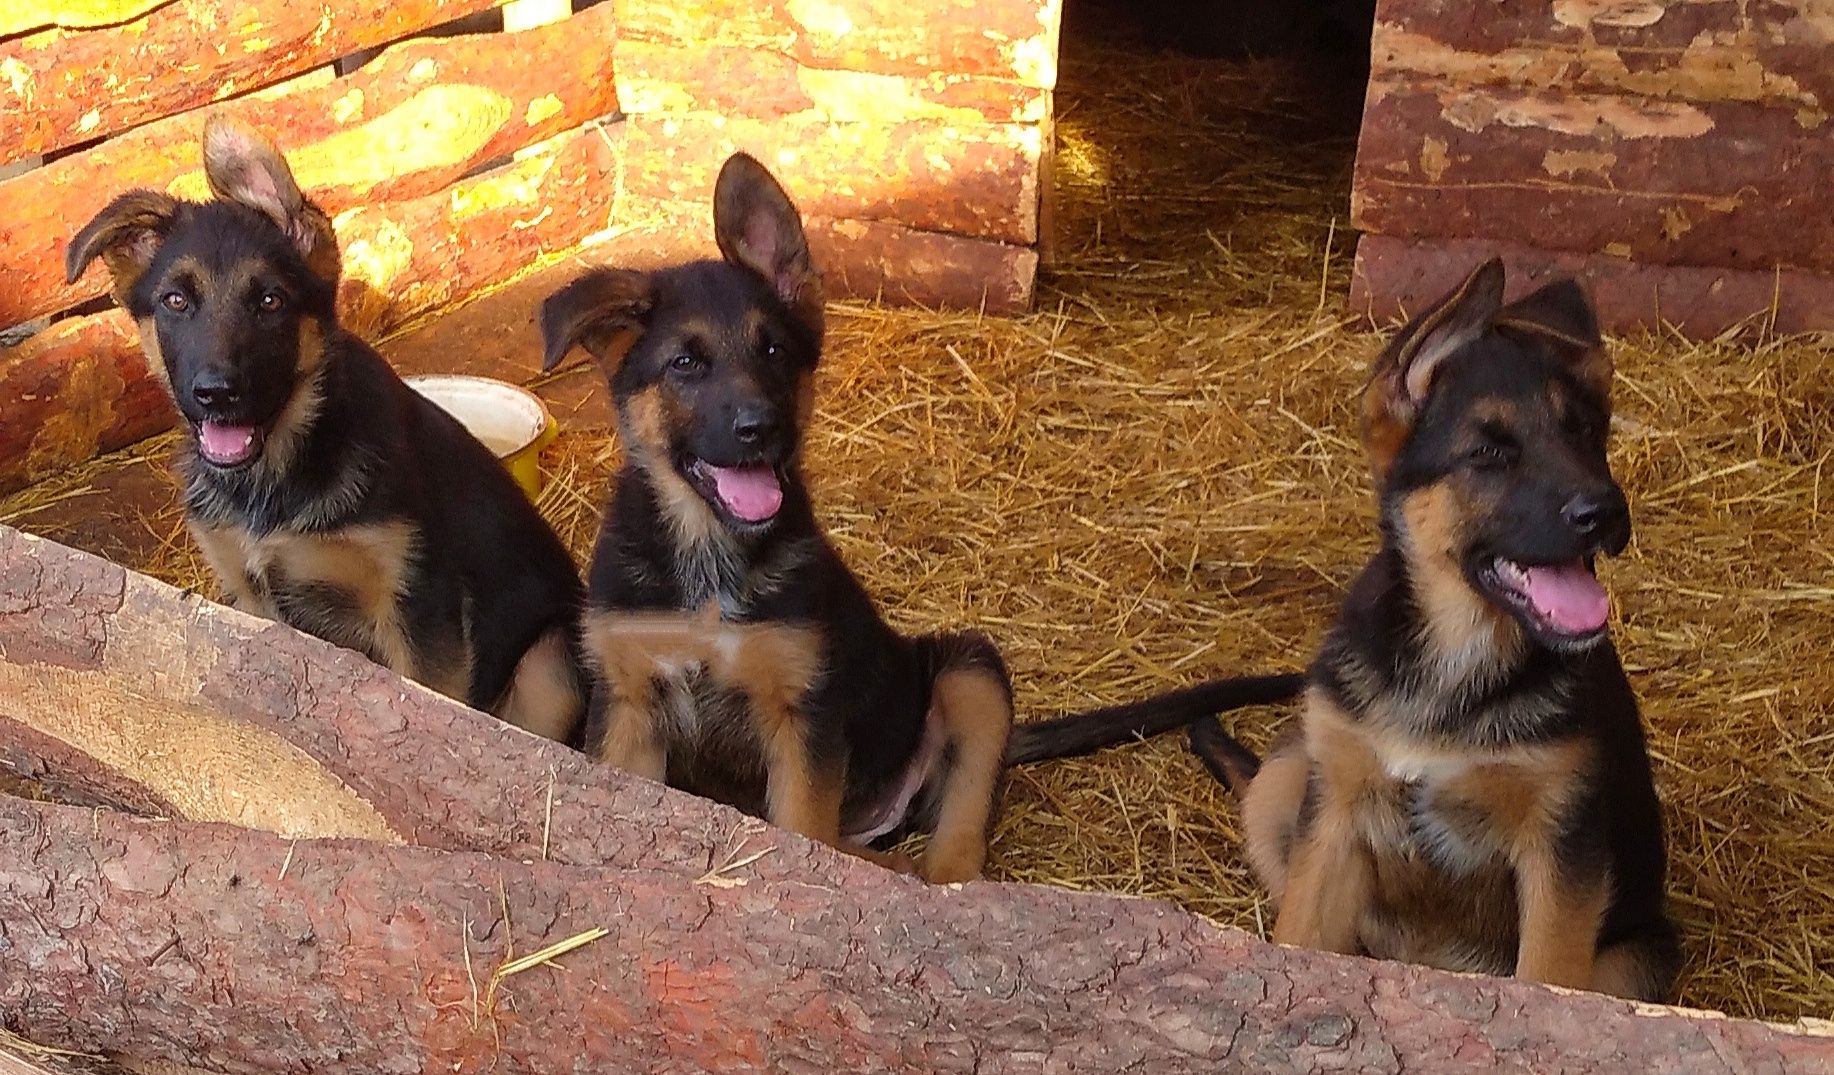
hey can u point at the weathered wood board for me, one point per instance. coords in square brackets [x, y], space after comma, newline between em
[1677, 150]
[410, 123]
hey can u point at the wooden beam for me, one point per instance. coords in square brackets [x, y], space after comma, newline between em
[64, 86]
[1395, 276]
[658, 78]
[1009, 39]
[1736, 184]
[236, 949]
[409, 124]
[980, 181]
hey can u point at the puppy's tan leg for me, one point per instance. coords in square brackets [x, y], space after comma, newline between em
[544, 694]
[1559, 923]
[1329, 873]
[1270, 814]
[976, 714]
[630, 652]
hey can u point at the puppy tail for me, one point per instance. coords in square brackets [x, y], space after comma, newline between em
[1231, 763]
[1082, 733]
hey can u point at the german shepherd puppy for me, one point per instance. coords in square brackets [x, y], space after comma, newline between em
[733, 653]
[322, 490]
[1468, 787]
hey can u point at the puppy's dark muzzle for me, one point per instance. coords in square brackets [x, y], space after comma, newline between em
[1601, 521]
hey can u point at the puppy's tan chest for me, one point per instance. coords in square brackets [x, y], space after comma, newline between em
[1454, 808]
[345, 585]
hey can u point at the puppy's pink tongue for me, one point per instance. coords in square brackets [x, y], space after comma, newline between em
[752, 493]
[1568, 596]
[225, 445]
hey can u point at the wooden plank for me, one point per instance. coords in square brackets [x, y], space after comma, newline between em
[671, 78]
[81, 387]
[1729, 184]
[422, 115]
[62, 86]
[241, 951]
[976, 181]
[1775, 53]
[1010, 39]
[1394, 276]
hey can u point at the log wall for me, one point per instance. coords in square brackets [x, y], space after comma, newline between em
[914, 139]
[1674, 153]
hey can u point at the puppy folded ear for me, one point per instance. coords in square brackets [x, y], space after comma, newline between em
[243, 166]
[1403, 373]
[757, 227]
[1560, 315]
[125, 235]
[602, 311]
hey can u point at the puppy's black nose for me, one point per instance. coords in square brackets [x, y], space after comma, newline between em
[215, 390]
[1601, 517]
[754, 425]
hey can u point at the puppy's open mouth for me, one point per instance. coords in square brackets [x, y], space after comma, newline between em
[749, 492]
[1563, 600]
[228, 446]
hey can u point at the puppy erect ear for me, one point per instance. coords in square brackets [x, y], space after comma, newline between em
[602, 311]
[1403, 373]
[757, 226]
[125, 235]
[243, 166]
[1561, 316]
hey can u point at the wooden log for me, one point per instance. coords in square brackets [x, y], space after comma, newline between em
[978, 181]
[1658, 49]
[1394, 276]
[84, 387]
[658, 78]
[73, 391]
[133, 693]
[240, 951]
[1010, 39]
[63, 86]
[422, 115]
[1666, 182]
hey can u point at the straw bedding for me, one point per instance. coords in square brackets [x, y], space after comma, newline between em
[1156, 479]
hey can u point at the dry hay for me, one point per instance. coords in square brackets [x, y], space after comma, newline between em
[1155, 479]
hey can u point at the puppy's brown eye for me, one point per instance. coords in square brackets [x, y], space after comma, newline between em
[685, 363]
[772, 351]
[175, 301]
[272, 302]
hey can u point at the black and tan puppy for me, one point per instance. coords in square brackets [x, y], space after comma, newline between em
[1469, 787]
[322, 490]
[736, 656]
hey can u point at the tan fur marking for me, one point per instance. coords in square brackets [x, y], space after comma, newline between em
[1559, 925]
[155, 355]
[1329, 875]
[629, 652]
[1462, 627]
[805, 400]
[544, 694]
[977, 718]
[1270, 813]
[775, 666]
[368, 564]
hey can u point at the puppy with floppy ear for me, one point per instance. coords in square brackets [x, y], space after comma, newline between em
[1469, 787]
[321, 489]
[733, 653]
